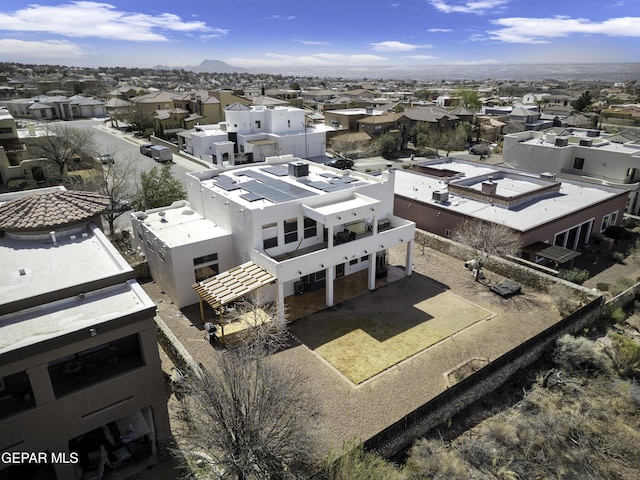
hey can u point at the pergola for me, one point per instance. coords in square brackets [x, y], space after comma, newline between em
[228, 286]
[554, 253]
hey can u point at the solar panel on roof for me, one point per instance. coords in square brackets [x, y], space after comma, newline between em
[278, 170]
[251, 197]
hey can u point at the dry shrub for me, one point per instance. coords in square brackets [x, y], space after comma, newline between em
[434, 460]
[356, 462]
[579, 353]
[565, 299]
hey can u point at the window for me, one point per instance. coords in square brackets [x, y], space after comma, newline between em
[609, 220]
[206, 266]
[289, 123]
[578, 163]
[258, 123]
[291, 230]
[95, 365]
[309, 227]
[269, 235]
[15, 394]
[353, 262]
[447, 233]
[631, 172]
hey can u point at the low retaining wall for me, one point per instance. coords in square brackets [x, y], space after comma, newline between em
[174, 349]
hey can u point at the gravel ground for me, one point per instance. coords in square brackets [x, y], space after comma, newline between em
[349, 411]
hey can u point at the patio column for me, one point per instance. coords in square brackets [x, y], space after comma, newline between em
[329, 277]
[281, 313]
[372, 271]
[408, 266]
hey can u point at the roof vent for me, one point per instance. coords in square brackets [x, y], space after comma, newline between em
[562, 142]
[22, 272]
[586, 142]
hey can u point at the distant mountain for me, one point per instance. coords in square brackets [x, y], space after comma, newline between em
[207, 66]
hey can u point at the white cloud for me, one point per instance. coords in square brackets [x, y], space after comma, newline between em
[478, 7]
[419, 57]
[280, 17]
[311, 42]
[487, 61]
[395, 46]
[440, 30]
[317, 60]
[394, 5]
[541, 30]
[101, 20]
[43, 50]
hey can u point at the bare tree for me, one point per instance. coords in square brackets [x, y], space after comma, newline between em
[114, 181]
[266, 330]
[352, 147]
[249, 418]
[486, 239]
[65, 144]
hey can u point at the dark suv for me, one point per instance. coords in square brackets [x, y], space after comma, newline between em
[341, 163]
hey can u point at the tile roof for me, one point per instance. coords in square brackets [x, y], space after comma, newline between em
[50, 210]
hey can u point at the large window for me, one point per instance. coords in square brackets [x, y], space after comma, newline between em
[94, 365]
[291, 230]
[206, 266]
[270, 235]
[309, 227]
[578, 163]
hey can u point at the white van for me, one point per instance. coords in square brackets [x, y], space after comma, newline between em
[161, 153]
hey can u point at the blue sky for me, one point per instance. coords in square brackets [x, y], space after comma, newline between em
[261, 33]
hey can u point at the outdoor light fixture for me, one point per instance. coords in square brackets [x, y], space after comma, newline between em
[93, 332]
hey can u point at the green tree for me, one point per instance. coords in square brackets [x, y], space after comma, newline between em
[584, 101]
[158, 188]
[387, 144]
[469, 99]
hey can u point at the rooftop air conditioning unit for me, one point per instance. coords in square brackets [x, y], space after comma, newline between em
[548, 176]
[586, 142]
[298, 169]
[440, 196]
[562, 142]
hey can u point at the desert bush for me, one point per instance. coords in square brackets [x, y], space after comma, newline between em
[625, 354]
[579, 353]
[356, 462]
[564, 299]
[575, 275]
[618, 315]
[435, 460]
[617, 257]
[602, 286]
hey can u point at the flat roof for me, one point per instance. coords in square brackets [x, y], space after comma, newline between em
[180, 225]
[32, 267]
[572, 196]
[51, 320]
[264, 185]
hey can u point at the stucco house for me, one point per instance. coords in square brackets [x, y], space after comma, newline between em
[544, 210]
[581, 154]
[80, 374]
[299, 224]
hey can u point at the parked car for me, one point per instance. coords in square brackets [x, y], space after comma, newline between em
[161, 154]
[104, 158]
[480, 149]
[146, 149]
[341, 163]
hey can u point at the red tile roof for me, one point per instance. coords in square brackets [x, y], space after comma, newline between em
[51, 210]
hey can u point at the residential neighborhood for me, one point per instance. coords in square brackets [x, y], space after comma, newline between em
[158, 227]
